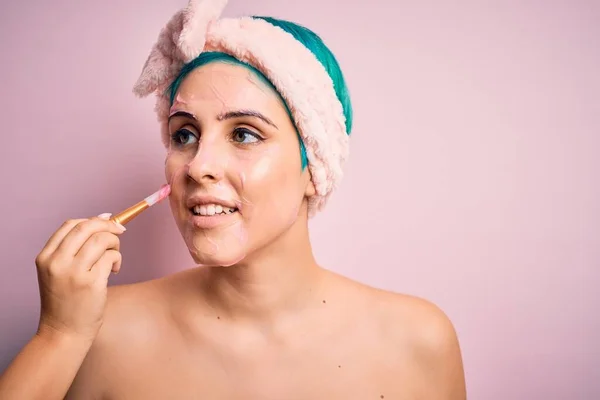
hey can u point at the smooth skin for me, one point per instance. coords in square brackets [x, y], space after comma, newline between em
[275, 325]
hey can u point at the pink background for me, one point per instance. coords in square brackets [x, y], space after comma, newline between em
[473, 178]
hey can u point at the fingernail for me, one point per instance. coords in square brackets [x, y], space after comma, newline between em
[121, 226]
[105, 216]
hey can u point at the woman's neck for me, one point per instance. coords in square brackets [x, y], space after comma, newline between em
[278, 278]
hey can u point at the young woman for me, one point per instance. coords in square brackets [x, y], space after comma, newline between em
[255, 116]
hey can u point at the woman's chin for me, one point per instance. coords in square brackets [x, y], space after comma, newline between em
[224, 247]
[220, 258]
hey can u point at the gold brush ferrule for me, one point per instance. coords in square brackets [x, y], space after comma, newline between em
[127, 215]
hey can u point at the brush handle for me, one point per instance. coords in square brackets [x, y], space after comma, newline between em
[127, 215]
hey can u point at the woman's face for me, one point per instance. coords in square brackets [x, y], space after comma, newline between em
[233, 164]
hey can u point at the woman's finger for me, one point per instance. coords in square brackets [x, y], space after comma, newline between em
[93, 249]
[81, 232]
[109, 261]
[58, 236]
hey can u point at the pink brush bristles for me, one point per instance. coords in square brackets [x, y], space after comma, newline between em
[159, 195]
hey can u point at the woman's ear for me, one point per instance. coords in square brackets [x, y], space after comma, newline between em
[310, 187]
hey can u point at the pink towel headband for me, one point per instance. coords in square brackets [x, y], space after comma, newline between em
[297, 74]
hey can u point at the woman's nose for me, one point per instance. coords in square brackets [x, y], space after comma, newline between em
[209, 163]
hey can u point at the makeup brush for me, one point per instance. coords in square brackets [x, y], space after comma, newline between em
[127, 215]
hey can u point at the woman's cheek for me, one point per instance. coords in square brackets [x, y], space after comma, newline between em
[175, 166]
[271, 191]
[175, 172]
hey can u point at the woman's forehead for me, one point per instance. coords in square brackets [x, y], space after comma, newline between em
[233, 86]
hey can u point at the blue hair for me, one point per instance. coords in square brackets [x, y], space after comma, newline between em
[312, 42]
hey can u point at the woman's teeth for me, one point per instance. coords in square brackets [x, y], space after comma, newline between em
[212, 209]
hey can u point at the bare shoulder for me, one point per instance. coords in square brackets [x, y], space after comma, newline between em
[422, 335]
[428, 335]
[131, 321]
[412, 318]
[423, 330]
[417, 320]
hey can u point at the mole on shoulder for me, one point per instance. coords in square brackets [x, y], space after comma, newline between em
[381, 396]
[324, 302]
[218, 317]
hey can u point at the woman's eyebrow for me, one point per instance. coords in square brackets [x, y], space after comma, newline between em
[246, 113]
[182, 114]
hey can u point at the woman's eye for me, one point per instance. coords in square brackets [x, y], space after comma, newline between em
[245, 136]
[183, 137]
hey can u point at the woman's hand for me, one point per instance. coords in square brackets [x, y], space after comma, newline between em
[73, 270]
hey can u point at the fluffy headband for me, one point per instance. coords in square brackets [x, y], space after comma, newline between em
[293, 69]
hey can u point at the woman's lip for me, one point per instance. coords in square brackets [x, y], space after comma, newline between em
[212, 221]
[199, 200]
